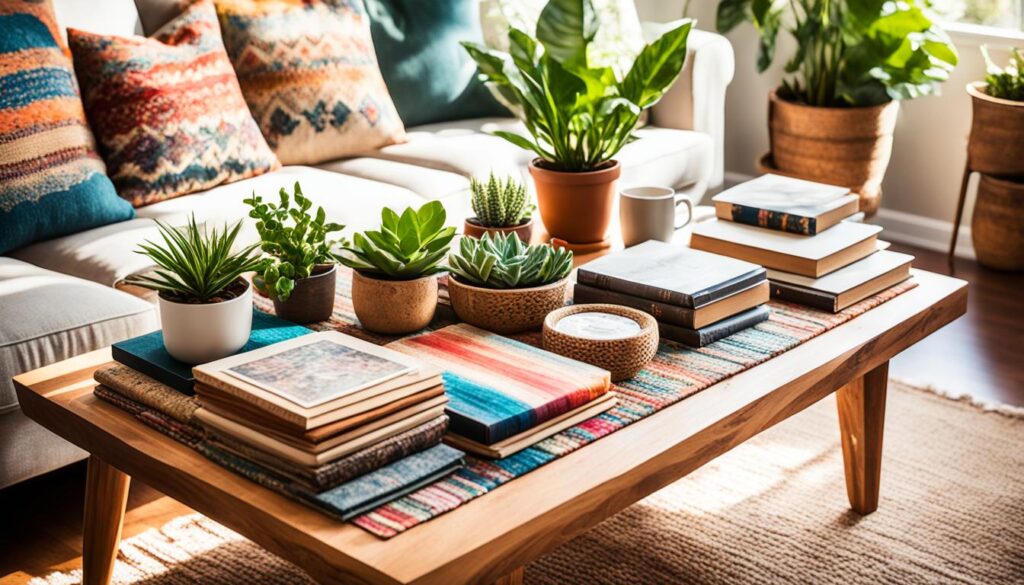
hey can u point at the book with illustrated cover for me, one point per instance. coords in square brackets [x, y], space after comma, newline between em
[786, 204]
[498, 387]
[670, 274]
[748, 298]
[840, 289]
[715, 331]
[146, 353]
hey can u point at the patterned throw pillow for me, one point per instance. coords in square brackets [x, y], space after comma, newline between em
[167, 110]
[52, 182]
[310, 75]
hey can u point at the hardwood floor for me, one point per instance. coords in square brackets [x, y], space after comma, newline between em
[980, 354]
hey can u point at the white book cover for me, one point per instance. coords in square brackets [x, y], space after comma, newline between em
[848, 277]
[833, 240]
[786, 195]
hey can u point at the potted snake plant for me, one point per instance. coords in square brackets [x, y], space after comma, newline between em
[299, 267]
[205, 304]
[500, 206]
[832, 120]
[394, 288]
[578, 115]
[503, 285]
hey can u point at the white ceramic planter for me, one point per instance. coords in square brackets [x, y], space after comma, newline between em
[197, 334]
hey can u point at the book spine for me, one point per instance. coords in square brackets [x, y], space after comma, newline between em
[804, 296]
[675, 315]
[627, 287]
[159, 374]
[715, 332]
[774, 220]
[729, 288]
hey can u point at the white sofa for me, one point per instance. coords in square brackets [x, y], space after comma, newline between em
[59, 298]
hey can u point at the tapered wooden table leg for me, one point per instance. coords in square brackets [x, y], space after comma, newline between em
[513, 578]
[861, 421]
[106, 493]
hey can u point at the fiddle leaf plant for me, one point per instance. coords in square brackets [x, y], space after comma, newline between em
[293, 240]
[504, 262]
[578, 115]
[406, 247]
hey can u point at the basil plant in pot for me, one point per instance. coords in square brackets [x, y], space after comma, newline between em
[832, 119]
[299, 268]
[503, 285]
[578, 115]
[205, 304]
[394, 288]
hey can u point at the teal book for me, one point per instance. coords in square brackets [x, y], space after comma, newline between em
[147, 354]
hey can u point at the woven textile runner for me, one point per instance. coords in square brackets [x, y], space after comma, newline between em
[676, 372]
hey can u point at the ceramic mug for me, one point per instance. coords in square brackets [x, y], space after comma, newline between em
[650, 213]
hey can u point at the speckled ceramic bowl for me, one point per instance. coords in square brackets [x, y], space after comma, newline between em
[394, 307]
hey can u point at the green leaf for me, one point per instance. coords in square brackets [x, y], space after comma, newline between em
[657, 67]
[730, 14]
[566, 28]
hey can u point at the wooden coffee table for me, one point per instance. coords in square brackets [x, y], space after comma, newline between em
[492, 537]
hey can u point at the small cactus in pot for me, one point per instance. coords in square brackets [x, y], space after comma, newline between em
[501, 206]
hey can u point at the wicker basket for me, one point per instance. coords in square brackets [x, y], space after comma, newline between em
[624, 357]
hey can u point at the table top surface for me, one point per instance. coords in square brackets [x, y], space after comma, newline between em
[493, 535]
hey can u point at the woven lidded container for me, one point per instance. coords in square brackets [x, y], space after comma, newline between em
[623, 357]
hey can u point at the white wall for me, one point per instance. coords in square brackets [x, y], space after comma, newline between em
[921, 185]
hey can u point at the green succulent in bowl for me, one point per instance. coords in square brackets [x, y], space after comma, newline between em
[406, 247]
[505, 262]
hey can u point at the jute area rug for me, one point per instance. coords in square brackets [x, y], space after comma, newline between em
[771, 511]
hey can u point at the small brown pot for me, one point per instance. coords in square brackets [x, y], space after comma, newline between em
[394, 307]
[524, 230]
[841, 146]
[996, 145]
[312, 299]
[506, 310]
[997, 227]
[576, 207]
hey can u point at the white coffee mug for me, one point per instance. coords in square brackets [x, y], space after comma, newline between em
[650, 213]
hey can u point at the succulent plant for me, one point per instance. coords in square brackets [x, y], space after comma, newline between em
[499, 203]
[294, 240]
[405, 248]
[504, 261]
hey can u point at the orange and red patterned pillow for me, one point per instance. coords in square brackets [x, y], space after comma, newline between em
[167, 111]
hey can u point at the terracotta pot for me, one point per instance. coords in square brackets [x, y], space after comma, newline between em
[576, 207]
[394, 307]
[524, 230]
[996, 144]
[312, 299]
[841, 146]
[997, 227]
[506, 310]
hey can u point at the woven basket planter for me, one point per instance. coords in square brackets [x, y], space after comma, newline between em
[996, 144]
[997, 226]
[505, 311]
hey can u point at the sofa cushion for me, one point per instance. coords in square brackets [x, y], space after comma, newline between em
[52, 182]
[310, 76]
[168, 111]
[425, 181]
[68, 316]
[106, 255]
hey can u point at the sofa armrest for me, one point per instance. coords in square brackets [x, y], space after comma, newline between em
[697, 99]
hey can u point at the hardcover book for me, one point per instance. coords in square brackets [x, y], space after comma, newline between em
[146, 353]
[716, 331]
[786, 204]
[670, 274]
[498, 387]
[845, 243]
[748, 298]
[840, 289]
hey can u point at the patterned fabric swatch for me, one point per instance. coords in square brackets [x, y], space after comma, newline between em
[143, 389]
[167, 111]
[52, 182]
[309, 73]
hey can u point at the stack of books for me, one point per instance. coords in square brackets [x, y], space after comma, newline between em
[504, 395]
[808, 236]
[697, 297]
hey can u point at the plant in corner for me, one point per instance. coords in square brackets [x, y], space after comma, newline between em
[394, 289]
[500, 206]
[503, 285]
[833, 117]
[578, 115]
[205, 304]
[299, 269]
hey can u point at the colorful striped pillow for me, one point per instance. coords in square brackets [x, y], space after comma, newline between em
[167, 110]
[52, 182]
[310, 75]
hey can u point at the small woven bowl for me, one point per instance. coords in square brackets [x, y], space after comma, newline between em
[624, 357]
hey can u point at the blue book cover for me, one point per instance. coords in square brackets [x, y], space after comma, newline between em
[147, 354]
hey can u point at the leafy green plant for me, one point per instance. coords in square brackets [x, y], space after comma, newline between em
[499, 203]
[294, 240]
[405, 248]
[579, 116]
[849, 52]
[504, 261]
[1005, 83]
[195, 265]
